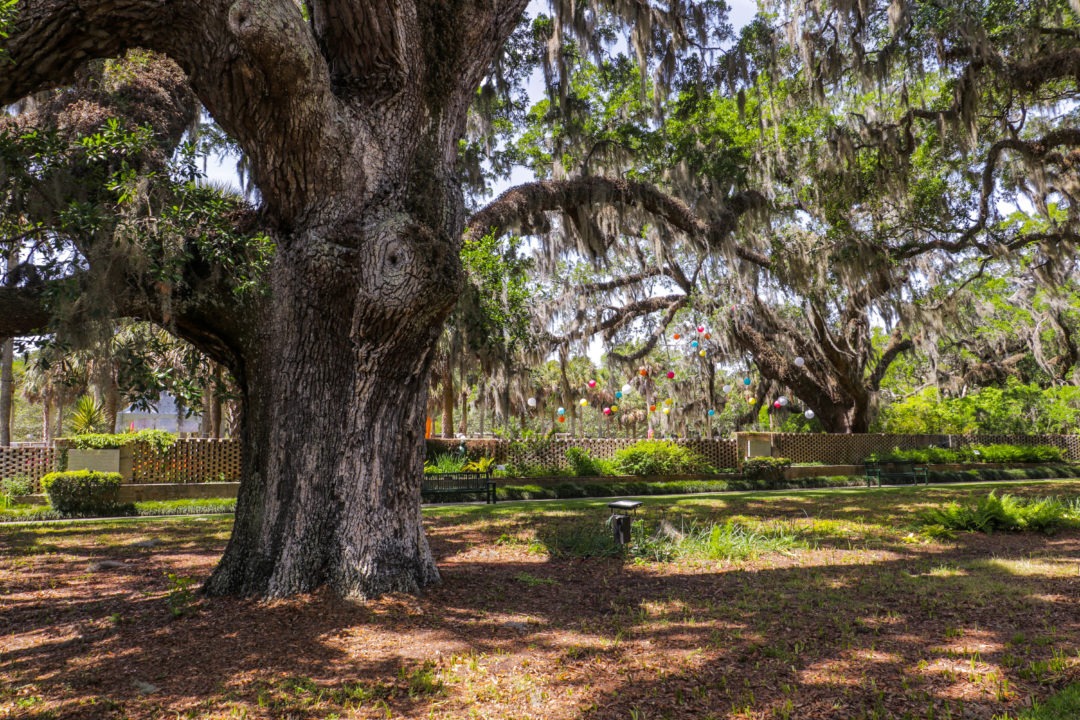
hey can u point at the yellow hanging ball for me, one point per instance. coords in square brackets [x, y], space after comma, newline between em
[583, 402]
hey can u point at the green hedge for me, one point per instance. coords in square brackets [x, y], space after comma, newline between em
[160, 440]
[974, 453]
[84, 492]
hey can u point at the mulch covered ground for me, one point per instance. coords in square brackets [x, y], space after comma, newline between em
[98, 623]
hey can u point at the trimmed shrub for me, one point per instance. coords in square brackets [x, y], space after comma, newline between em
[770, 469]
[83, 492]
[659, 457]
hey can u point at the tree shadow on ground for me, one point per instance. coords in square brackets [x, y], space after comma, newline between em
[970, 628]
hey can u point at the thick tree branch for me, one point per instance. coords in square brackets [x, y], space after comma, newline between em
[897, 344]
[255, 66]
[521, 205]
[626, 314]
[25, 310]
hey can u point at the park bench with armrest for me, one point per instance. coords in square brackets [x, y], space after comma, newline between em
[894, 471]
[439, 485]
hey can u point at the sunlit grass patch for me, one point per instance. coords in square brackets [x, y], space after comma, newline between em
[1063, 706]
[1029, 567]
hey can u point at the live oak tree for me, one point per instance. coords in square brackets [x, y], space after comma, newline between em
[350, 115]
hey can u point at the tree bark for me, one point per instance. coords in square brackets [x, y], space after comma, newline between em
[333, 432]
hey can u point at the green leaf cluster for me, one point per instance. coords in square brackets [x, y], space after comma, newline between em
[658, 458]
[159, 440]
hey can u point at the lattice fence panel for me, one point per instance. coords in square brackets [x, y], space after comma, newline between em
[187, 461]
[551, 453]
[29, 462]
[846, 449]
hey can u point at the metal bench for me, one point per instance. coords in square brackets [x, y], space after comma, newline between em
[893, 471]
[439, 485]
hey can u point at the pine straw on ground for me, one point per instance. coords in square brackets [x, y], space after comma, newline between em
[863, 621]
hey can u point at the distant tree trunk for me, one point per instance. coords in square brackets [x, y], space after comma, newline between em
[210, 423]
[448, 399]
[7, 389]
[7, 361]
[46, 417]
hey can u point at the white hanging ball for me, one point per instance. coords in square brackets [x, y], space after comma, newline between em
[809, 414]
[799, 362]
[782, 400]
[727, 388]
[531, 402]
[626, 388]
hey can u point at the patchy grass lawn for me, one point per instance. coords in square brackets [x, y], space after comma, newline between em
[809, 604]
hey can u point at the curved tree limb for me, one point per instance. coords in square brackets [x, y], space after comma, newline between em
[255, 66]
[519, 205]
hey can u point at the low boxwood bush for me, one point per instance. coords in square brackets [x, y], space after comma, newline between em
[765, 468]
[84, 492]
[659, 457]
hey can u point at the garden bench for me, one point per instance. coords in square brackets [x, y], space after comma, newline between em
[892, 471]
[437, 485]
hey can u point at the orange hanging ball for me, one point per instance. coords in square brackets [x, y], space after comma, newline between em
[708, 336]
[676, 336]
[652, 408]
[643, 372]
[562, 418]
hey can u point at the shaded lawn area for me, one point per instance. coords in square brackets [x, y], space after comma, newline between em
[859, 616]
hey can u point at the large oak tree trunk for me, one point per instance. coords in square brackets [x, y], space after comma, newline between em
[333, 430]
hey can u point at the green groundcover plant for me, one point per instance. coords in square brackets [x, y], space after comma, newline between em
[659, 457]
[1004, 513]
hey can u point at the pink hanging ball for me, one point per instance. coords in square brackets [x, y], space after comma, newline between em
[670, 375]
[776, 404]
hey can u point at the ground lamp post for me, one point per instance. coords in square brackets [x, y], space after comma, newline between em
[622, 512]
